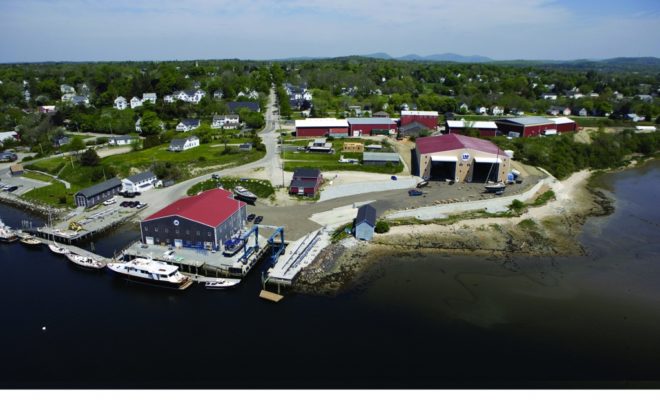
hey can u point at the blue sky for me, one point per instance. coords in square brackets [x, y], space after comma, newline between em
[91, 30]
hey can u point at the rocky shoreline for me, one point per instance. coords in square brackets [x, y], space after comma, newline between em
[549, 230]
[32, 207]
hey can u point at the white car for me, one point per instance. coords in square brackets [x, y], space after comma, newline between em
[110, 202]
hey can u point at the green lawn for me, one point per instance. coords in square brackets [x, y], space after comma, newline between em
[37, 176]
[261, 188]
[54, 194]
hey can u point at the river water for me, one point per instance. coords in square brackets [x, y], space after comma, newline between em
[425, 321]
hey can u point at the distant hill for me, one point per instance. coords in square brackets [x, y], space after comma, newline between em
[449, 57]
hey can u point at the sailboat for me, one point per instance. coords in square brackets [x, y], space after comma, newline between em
[53, 245]
[496, 187]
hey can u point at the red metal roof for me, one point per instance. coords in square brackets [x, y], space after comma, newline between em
[211, 208]
[452, 141]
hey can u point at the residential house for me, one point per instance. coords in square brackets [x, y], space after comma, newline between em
[138, 125]
[218, 94]
[220, 121]
[235, 106]
[47, 109]
[463, 108]
[559, 110]
[188, 96]
[306, 182]
[380, 114]
[9, 135]
[634, 117]
[136, 102]
[250, 94]
[481, 110]
[573, 94]
[188, 125]
[365, 222]
[549, 96]
[168, 99]
[139, 183]
[149, 97]
[497, 110]
[582, 112]
[122, 140]
[245, 147]
[64, 88]
[80, 100]
[120, 103]
[184, 144]
[60, 140]
[647, 98]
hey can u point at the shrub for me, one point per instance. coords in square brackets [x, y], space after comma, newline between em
[517, 206]
[382, 227]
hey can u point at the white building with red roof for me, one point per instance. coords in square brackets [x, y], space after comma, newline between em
[205, 221]
[460, 158]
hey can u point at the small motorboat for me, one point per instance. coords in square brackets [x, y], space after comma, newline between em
[495, 187]
[55, 248]
[222, 284]
[86, 262]
[413, 192]
[7, 234]
[232, 246]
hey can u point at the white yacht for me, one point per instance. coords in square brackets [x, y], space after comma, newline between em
[83, 261]
[57, 249]
[7, 234]
[151, 272]
[222, 283]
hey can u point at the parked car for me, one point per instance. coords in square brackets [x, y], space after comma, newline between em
[250, 217]
[141, 205]
[215, 176]
[110, 202]
[12, 188]
[258, 219]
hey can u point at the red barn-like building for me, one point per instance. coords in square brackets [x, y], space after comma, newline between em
[371, 126]
[427, 118]
[306, 182]
[485, 128]
[321, 127]
[565, 124]
[526, 126]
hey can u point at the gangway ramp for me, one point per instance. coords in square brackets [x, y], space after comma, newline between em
[297, 256]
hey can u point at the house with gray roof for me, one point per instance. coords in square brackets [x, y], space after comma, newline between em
[139, 182]
[188, 125]
[184, 144]
[365, 222]
[98, 193]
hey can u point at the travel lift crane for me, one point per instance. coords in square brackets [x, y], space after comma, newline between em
[276, 248]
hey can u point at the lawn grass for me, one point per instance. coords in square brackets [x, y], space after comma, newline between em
[261, 188]
[37, 176]
[54, 194]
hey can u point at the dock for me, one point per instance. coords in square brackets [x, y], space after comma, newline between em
[296, 257]
[274, 297]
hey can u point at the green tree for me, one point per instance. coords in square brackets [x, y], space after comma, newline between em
[90, 158]
[76, 144]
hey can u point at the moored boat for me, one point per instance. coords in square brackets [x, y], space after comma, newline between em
[7, 234]
[151, 272]
[55, 248]
[222, 284]
[243, 194]
[86, 262]
[29, 240]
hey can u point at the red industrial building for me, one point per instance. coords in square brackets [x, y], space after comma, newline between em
[321, 127]
[371, 126]
[565, 124]
[427, 118]
[526, 126]
[306, 182]
[485, 128]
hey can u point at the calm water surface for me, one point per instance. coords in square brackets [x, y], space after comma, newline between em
[424, 321]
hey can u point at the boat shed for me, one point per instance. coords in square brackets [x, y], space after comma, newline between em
[526, 126]
[321, 127]
[371, 126]
[373, 158]
[460, 158]
[564, 124]
[202, 221]
[98, 193]
[426, 118]
[485, 128]
[365, 222]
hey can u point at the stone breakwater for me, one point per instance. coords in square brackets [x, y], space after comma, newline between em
[40, 209]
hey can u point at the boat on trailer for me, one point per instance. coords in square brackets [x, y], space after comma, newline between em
[151, 272]
[232, 246]
[495, 187]
[85, 262]
[242, 193]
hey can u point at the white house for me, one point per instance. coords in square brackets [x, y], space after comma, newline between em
[120, 103]
[188, 125]
[217, 94]
[634, 117]
[365, 222]
[582, 112]
[139, 182]
[220, 121]
[136, 102]
[67, 89]
[9, 135]
[122, 140]
[67, 97]
[138, 125]
[497, 110]
[188, 96]
[463, 108]
[169, 99]
[481, 110]
[150, 97]
[77, 100]
[549, 96]
[250, 94]
[184, 144]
